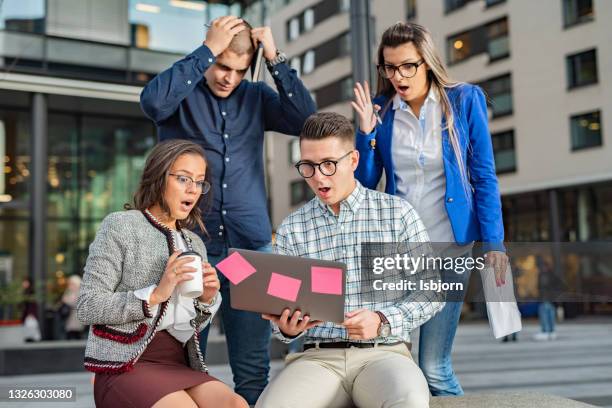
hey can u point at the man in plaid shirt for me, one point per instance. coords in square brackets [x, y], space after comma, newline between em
[365, 360]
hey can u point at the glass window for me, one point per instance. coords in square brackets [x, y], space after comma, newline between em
[308, 19]
[459, 47]
[586, 130]
[328, 8]
[498, 43]
[332, 49]
[112, 154]
[526, 217]
[308, 62]
[15, 154]
[347, 88]
[300, 192]
[602, 217]
[95, 163]
[410, 9]
[499, 95]
[175, 26]
[294, 29]
[451, 5]
[14, 261]
[26, 16]
[15, 139]
[582, 69]
[336, 92]
[504, 152]
[577, 11]
[491, 38]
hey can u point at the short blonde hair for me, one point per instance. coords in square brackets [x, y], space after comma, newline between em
[242, 43]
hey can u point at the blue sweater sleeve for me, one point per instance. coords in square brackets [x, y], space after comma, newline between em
[481, 167]
[162, 96]
[287, 110]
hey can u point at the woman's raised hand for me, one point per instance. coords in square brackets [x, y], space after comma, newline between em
[364, 107]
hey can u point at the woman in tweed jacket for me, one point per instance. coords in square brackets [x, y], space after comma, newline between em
[143, 339]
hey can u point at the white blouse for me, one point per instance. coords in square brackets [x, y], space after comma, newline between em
[419, 168]
[180, 310]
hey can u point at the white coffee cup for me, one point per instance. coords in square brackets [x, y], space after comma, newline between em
[192, 288]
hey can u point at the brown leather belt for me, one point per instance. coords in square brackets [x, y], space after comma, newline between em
[349, 344]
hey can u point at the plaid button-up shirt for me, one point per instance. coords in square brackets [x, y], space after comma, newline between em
[314, 231]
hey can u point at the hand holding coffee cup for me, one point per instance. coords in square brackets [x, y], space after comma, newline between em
[177, 270]
[211, 283]
[192, 288]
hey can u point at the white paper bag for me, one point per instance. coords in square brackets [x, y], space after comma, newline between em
[31, 331]
[504, 316]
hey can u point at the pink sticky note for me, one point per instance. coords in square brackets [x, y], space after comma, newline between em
[326, 280]
[235, 268]
[284, 287]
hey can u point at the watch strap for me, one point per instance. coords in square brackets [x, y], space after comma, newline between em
[383, 318]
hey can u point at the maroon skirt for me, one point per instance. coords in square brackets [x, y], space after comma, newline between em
[161, 370]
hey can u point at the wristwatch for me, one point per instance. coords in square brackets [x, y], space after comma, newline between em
[384, 330]
[280, 57]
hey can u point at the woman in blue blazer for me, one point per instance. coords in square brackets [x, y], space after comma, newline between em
[430, 136]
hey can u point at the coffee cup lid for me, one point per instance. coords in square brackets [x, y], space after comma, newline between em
[189, 253]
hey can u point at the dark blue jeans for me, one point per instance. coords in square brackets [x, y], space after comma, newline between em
[248, 339]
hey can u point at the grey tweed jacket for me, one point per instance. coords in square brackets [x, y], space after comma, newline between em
[130, 252]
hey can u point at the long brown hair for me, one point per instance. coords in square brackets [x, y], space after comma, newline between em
[402, 33]
[153, 181]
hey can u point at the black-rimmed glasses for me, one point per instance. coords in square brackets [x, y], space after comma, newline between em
[326, 167]
[186, 182]
[407, 70]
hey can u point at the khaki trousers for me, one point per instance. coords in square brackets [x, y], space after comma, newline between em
[381, 376]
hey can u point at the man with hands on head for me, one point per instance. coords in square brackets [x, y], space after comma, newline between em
[205, 98]
[366, 360]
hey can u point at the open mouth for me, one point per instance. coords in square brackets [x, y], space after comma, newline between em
[403, 88]
[324, 191]
[186, 205]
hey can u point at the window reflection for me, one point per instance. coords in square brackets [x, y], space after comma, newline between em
[168, 25]
[15, 156]
[26, 16]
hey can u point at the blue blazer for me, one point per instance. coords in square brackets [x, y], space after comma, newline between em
[474, 213]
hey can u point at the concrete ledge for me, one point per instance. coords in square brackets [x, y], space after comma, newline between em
[506, 400]
[67, 356]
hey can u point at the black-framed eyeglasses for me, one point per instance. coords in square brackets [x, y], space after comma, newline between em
[326, 167]
[186, 182]
[407, 70]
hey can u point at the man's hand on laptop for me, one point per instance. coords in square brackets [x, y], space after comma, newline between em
[291, 325]
[362, 324]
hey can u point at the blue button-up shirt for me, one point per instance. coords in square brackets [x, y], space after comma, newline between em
[231, 130]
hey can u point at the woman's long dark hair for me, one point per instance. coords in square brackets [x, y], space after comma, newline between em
[155, 174]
